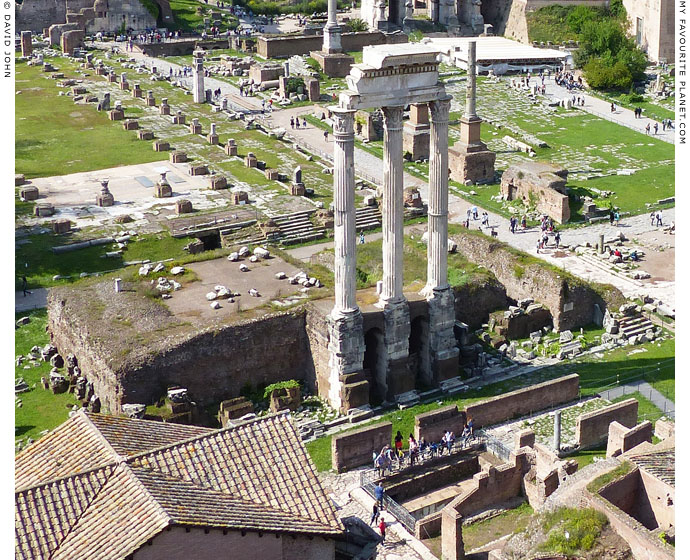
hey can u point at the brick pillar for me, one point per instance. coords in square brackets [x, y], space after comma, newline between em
[452, 547]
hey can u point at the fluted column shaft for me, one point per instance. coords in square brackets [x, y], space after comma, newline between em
[392, 205]
[344, 210]
[437, 262]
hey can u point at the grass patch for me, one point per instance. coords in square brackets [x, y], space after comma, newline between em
[604, 479]
[646, 409]
[583, 527]
[41, 410]
[483, 532]
[87, 140]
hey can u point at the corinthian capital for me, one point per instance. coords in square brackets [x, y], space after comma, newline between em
[439, 110]
[343, 122]
[393, 117]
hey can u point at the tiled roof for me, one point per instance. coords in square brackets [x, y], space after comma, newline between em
[256, 476]
[660, 464]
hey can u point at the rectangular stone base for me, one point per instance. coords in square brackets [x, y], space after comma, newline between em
[471, 164]
[416, 140]
[334, 65]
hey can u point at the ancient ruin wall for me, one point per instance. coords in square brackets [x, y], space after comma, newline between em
[524, 401]
[474, 302]
[433, 424]
[622, 439]
[278, 47]
[354, 449]
[37, 15]
[213, 363]
[570, 300]
[593, 427]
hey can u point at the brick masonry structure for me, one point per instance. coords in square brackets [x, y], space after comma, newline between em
[570, 300]
[523, 401]
[622, 439]
[433, 424]
[354, 449]
[593, 428]
[284, 47]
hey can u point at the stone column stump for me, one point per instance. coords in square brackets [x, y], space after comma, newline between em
[218, 183]
[183, 206]
[195, 127]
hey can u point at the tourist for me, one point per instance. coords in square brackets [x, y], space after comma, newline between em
[656, 128]
[378, 493]
[361, 238]
[382, 528]
[475, 213]
[24, 285]
[524, 222]
[647, 129]
[663, 125]
[617, 217]
[613, 108]
[292, 122]
[325, 136]
[513, 223]
[612, 216]
[297, 124]
[304, 122]
[399, 445]
[449, 440]
[538, 245]
[652, 217]
[374, 514]
[659, 219]
[557, 239]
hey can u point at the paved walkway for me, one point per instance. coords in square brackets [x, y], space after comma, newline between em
[601, 108]
[36, 299]
[659, 400]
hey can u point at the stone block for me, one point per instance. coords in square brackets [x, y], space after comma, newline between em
[78, 90]
[43, 209]
[664, 428]
[195, 247]
[27, 47]
[71, 40]
[524, 438]
[28, 192]
[116, 114]
[212, 139]
[471, 166]
[183, 206]
[62, 226]
[19, 179]
[130, 125]
[163, 190]
[250, 160]
[593, 427]
[240, 198]
[231, 148]
[145, 135]
[218, 182]
[313, 89]
[622, 439]
[178, 157]
[271, 174]
[334, 65]
[160, 146]
[195, 170]
[195, 127]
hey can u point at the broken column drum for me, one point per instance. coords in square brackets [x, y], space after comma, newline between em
[163, 188]
[105, 197]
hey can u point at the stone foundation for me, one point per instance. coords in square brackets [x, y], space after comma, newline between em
[470, 166]
[333, 65]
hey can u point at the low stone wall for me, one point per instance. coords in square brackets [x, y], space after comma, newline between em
[286, 46]
[433, 424]
[524, 401]
[181, 48]
[593, 428]
[570, 300]
[354, 449]
[622, 439]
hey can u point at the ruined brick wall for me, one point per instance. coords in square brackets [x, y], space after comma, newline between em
[355, 448]
[181, 48]
[433, 424]
[317, 343]
[570, 300]
[524, 401]
[622, 439]
[656, 495]
[280, 47]
[593, 427]
[474, 302]
[36, 15]
[213, 363]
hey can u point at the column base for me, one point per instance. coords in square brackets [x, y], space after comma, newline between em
[396, 337]
[347, 386]
[443, 350]
[336, 65]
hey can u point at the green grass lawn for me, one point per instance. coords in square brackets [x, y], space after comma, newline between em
[40, 410]
[53, 136]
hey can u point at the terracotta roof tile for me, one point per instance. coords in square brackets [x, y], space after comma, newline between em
[660, 464]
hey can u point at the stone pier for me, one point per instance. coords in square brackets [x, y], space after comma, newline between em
[331, 32]
[27, 48]
[198, 70]
[347, 386]
[333, 61]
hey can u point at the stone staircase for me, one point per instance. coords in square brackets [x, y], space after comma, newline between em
[634, 326]
[408, 399]
[453, 386]
[297, 227]
[368, 217]
[607, 267]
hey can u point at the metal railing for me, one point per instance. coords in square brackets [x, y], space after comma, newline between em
[408, 521]
[495, 446]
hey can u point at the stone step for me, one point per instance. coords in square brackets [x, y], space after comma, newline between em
[636, 332]
[360, 413]
[408, 399]
[282, 217]
[453, 386]
[431, 394]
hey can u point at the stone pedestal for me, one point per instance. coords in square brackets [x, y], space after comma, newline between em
[164, 108]
[250, 160]
[347, 386]
[44, 209]
[179, 118]
[160, 146]
[145, 135]
[112, 77]
[213, 137]
[416, 132]
[116, 115]
[136, 91]
[105, 197]
[71, 40]
[62, 226]
[195, 170]
[150, 99]
[396, 336]
[163, 188]
[183, 206]
[271, 174]
[231, 148]
[333, 65]
[297, 189]
[19, 179]
[178, 157]
[443, 350]
[27, 48]
[218, 182]
[240, 198]
[28, 193]
[130, 125]
[471, 164]
[104, 104]
[195, 127]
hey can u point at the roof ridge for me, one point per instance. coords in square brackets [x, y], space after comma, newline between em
[216, 491]
[116, 456]
[185, 441]
[91, 415]
[111, 465]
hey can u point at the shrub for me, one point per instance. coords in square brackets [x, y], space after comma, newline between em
[357, 24]
[289, 384]
[583, 527]
[600, 75]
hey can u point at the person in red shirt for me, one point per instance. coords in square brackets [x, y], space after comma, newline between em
[382, 528]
